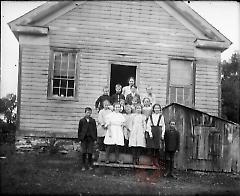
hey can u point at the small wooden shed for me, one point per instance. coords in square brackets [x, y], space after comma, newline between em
[69, 50]
[207, 142]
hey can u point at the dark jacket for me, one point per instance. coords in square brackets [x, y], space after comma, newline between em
[87, 129]
[129, 98]
[100, 100]
[116, 98]
[172, 140]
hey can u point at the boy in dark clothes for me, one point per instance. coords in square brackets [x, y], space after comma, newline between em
[172, 143]
[133, 95]
[118, 95]
[102, 98]
[87, 135]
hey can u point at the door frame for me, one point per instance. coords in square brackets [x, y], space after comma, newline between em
[124, 63]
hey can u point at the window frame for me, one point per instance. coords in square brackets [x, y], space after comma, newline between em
[50, 95]
[183, 58]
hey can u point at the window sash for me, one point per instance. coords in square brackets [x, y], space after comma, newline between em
[63, 81]
[181, 81]
[181, 72]
[180, 94]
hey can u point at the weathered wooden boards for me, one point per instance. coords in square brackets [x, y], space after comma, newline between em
[207, 142]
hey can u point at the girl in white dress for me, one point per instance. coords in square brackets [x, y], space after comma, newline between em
[101, 129]
[137, 133]
[114, 136]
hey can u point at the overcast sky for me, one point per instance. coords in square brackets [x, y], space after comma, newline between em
[223, 15]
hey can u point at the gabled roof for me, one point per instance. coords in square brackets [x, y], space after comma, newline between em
[39, 13]
[200, 23]
[207, 35]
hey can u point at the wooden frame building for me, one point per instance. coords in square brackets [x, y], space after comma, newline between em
[69, 50]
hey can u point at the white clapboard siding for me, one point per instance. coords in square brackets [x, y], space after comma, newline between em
[52, 114]
[207, 90]
[130, 36]
[40, 119]
[101, 30]
[47, 129]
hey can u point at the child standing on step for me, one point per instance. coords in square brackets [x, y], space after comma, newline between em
[156, 131]
[101, 129]
[87, 135]
[102, 98]
[137, 137]
[114, 136]
[133, 95]
[147, 109]
[118, 95]
[126, 129]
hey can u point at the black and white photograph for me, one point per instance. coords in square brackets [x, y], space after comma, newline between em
[124, 97]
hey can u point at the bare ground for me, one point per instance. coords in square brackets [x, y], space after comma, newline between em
[44, 174]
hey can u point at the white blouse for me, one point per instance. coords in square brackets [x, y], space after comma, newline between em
[126, 90]
[102, 116]
[155, 121]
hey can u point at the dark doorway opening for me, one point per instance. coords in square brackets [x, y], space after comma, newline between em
[120, 75]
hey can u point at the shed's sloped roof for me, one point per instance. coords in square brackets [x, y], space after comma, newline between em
[40, 16]
[195, 110]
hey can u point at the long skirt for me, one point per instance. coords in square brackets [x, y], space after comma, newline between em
[155, 142]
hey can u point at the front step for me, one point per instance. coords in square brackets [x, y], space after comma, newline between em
[145, 161]
[116, 165]
[125, 157]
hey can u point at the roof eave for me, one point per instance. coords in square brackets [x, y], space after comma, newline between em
[198, 22]
[39, 13]
[209, 44]
[29, 21]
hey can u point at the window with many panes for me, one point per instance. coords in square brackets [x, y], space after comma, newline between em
[181, 82]
[63, 77]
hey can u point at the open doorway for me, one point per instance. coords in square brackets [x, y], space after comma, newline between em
[120, 75]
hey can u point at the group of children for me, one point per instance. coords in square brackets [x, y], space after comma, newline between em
[124, 120]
